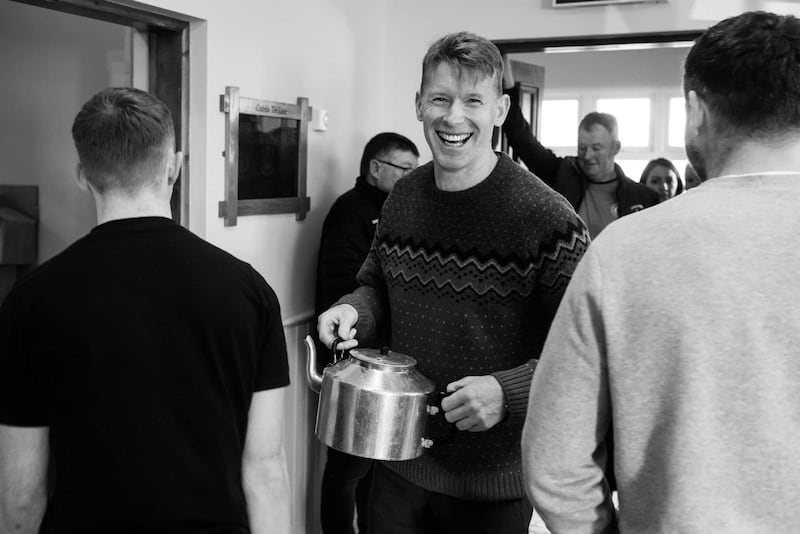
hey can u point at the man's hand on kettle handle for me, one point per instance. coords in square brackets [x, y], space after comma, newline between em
[338, 321]
[475, 403]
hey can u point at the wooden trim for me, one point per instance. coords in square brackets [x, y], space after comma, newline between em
[184, 117]
[269, 108]
[168, 66]
[233, 104]
[229, 103]
[166, 79]
[515, 46]
[302, 158]
[266, 206]
[110, 12]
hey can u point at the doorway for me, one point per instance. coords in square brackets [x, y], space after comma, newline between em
[54, 56]
[636, 77]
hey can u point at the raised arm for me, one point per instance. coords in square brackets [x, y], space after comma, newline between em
[23, 478]
[541, 161]
[264, 476]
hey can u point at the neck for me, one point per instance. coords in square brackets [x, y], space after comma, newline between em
[753, 157]
[113, 206]
[463, 179]
[607, 180]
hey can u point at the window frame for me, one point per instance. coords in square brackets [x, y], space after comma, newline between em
[658, 145]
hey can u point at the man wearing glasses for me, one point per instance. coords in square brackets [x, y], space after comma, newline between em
[346, 236]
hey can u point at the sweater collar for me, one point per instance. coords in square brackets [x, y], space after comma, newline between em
[479, 190]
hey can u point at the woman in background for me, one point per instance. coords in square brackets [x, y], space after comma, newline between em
[661, 176]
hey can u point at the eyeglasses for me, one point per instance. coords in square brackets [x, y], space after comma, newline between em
[404, 170]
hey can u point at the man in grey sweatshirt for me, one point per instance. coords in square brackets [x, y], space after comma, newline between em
[699, 374]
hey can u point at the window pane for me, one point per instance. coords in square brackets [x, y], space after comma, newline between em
[560, 123]
[633, 167]
[677, 122]
[633, 119]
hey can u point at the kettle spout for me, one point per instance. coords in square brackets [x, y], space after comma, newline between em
[312, 376]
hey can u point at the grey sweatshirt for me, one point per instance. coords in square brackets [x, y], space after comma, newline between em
[681, 328]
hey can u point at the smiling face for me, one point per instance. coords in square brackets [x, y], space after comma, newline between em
[459, 109]
[663, 181]
[596, 151]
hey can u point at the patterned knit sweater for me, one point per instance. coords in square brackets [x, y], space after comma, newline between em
[470, 281]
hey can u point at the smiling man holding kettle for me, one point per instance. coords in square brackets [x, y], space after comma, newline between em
[470, 259]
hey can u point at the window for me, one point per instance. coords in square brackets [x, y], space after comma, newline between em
[632, 167]
[651, 124]
[633, 119]
[677, 122]
[559, 122]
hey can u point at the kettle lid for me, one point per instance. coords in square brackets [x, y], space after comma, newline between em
[384, 358]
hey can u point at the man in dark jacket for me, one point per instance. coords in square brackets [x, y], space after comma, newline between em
[346, 237]
[591, 181]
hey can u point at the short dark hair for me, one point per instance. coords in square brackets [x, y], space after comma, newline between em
[383, 143]
[120, 134]
[465, 50]
[662, 162]
[606, 120]
[747, 70]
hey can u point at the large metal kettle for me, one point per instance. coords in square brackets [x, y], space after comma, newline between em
[373, 403]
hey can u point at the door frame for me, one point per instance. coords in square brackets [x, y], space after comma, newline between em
[168, 68]
[593, 42]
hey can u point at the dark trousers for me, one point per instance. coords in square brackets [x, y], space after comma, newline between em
[346, 485]
[400, 507]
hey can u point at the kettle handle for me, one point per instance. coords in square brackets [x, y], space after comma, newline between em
[435, 410]
[337, 355]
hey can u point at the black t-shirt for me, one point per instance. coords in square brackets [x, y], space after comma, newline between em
[140, 346]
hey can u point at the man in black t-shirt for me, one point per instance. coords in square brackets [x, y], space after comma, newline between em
[143, 367]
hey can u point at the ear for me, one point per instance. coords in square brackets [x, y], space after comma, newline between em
[418, 105]
[80, 177]
[174, 167]
[696, 113]
[615, 148]
[374, 167]
[503, 105]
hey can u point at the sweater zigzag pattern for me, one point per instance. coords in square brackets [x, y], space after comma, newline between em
[430, 264]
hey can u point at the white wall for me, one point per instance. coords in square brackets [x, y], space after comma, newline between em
[620, 70]
[360, 60]
[50, 64]
[319, 49]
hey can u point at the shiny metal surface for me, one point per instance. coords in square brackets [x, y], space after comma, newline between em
[373, 404]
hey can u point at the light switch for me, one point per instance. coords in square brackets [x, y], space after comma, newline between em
[319, 119]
